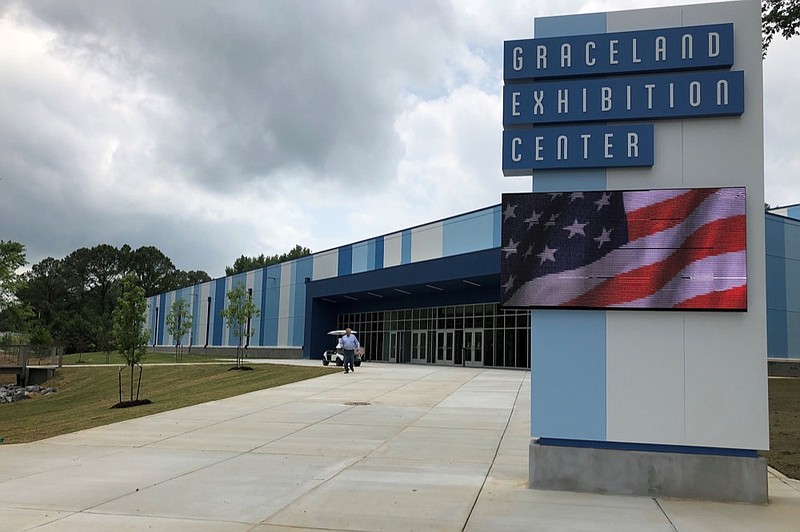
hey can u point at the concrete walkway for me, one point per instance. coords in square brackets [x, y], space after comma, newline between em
[386, 448]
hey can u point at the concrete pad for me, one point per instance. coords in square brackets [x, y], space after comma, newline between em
[434, 467]
[91, 522]
[378, 414]
[25, 459]
[90, 482]
[235, 436]
[331, 439]
[505, 507]
[133, 433]
[25, 518]
[781, 514]
[247, 488]
[477, 418]
[378, 494]
[297, 412]
[443, 445]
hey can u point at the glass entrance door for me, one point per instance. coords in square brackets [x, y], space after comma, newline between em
[419, 347]
[445, 344]
[473, 347]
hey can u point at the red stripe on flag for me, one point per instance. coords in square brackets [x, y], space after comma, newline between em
[717, 237]
[733, 299]
[665, 214]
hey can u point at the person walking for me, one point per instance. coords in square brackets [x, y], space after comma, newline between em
[349, 345]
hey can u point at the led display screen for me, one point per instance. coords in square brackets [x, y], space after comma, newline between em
[635, 249]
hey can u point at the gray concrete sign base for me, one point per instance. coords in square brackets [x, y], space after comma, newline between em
[654, 474]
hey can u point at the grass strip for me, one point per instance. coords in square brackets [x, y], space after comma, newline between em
[85, 395]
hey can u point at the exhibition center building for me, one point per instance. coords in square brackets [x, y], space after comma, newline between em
[425, 295]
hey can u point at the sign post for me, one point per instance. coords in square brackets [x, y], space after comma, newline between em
[653, 399]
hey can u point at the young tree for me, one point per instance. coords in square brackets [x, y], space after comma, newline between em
[238, 313]
[12, 257]
[131, 335]
[179, 323]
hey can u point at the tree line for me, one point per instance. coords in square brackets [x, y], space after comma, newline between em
[70, 301]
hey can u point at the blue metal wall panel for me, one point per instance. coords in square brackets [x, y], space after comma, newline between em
[775, 235]
[405, 253]
[777, 340]
[162, 313]
[345, 260]
[269, 310]
[219, 304]
[379, 253]
[792, 334]
[792, 286]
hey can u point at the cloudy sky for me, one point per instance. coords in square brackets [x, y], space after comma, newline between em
[212, 129]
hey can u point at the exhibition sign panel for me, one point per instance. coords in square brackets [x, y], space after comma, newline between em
[638, 249]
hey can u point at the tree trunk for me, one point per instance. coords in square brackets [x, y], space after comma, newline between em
[131, 382]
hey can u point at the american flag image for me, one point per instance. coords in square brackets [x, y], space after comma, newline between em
[654, 249]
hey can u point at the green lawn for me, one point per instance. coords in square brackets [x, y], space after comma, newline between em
[85, 395]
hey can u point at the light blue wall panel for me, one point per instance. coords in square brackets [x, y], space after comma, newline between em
[405, 254]
[569, 25]
[568, 180]
[303, 269]
[568, 375]
[473, 231]
[498, 226]
[361, 256]
[568, 348]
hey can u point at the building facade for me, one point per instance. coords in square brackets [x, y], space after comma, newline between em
[425, 295]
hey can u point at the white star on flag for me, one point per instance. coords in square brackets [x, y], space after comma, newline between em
[510, 212]
[605, 236]
[534, 219]
[547, 254]
[508, 285]
[575, 196]
[575, 229]
[511, 248]
[603, 201]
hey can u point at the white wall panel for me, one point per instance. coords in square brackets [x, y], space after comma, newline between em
[392, 249]
[645, 378]
[722, 355]
[326, 265]
[426, 242]
[284, 307]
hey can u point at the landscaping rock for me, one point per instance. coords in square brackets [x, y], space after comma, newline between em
[10, 393]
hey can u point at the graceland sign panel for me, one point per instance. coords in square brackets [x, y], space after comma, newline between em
[679, 73]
